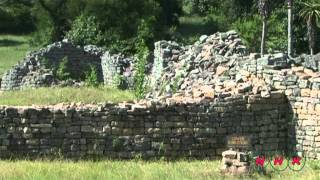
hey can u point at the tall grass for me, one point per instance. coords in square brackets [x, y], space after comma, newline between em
[140, 170]
[51, 96]
[12, 49]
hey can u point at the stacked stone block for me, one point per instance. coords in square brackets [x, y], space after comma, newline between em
[154, 130]
[117, 70]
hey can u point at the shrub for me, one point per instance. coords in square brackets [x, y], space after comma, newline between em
[61, 71]
[85, 30]
[41, 37]
[117, 81]
[91, 78]
[139, 78]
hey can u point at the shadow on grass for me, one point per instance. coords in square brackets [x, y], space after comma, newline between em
[9, 42]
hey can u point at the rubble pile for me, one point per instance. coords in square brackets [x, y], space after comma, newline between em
[207, 69]
[219, 66]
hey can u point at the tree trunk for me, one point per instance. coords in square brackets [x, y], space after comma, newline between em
[264, 34]
[290, 28]
[311, 34]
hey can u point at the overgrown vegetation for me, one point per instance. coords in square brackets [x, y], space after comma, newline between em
[62, 70]
[92, 77]
[85, 30]
[115, 24]
[117, 81]
[51, 96]
[140, 75]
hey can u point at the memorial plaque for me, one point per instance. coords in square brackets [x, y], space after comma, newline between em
[239, 141]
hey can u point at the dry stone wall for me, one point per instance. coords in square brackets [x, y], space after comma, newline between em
[207, 91]
[301, 86]
[117, 70]
[37, 68]
[197, 130]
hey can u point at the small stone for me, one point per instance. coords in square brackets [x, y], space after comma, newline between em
[221, 70]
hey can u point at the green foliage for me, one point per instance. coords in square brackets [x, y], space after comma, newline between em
[91, 78]
[140, 76]
[276, 37]
[249, 32]
[118, 25]
[175, 83]
[199, 7]
[85, 30]
[44, 28]
[53, 20]
[16, 18]
[310, 10]
[191, 28]
[117, 81]
[62, 71]
[109, 23]
[45, 62]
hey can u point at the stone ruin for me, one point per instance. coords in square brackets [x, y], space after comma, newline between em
[37, 68]
[215, 66]
[219, 66]
[201, 93]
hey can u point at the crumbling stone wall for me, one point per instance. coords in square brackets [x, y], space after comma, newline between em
[36, 69]
[201, 71]
[31, 72]
[117, 70]
[148, 130]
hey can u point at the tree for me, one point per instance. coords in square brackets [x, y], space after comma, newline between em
[265, 13]
[56, 12]
[311, 14]
[290, 21]
[15, 16]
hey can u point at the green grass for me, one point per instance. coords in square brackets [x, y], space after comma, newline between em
[50, 96]
[13, 48]
[136, 169]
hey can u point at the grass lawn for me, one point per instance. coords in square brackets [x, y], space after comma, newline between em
[140, 170]
[13, 48]
[51, 96]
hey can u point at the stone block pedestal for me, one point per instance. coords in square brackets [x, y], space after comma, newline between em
[235, 163]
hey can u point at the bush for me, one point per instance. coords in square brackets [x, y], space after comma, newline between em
[117, 81]
[92, 77]
[140, 75]
[61, 71]
[85, 30]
